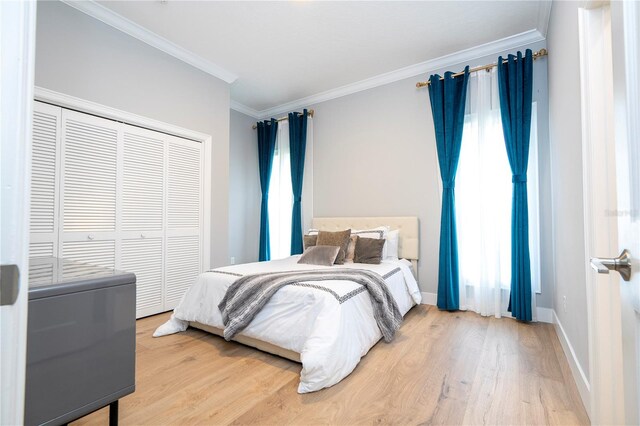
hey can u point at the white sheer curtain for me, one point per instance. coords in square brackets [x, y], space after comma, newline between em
[280, 196]
[483, 203]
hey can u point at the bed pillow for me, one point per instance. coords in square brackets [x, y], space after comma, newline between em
[339, 239]
[391, 248]
[319, 255]
[351, 249]
[379, 232]
[309, 241]
[369, 250]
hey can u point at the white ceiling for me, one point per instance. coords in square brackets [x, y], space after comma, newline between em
[284, 51]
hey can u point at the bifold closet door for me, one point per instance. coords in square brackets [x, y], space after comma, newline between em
[118, 196]
[88, 188]
[184, 218]
[45, 172]
[142, 215]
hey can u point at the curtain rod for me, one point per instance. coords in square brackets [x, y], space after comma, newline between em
[537, 55]
[309, 114]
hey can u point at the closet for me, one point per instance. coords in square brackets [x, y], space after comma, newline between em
[119, 196]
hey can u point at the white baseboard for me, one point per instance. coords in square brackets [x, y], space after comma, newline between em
[584, 388]
[429, 298]
[544, 314]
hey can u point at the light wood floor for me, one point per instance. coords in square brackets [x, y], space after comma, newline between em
[442, 368]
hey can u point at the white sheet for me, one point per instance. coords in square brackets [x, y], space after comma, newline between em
[330, 324]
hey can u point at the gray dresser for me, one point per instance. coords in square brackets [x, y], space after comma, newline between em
[80, 341]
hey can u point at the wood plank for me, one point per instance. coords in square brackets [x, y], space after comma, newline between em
[442, 368]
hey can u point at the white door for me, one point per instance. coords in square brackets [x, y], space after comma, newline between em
[45, 179]
[89, 156]
[142, 215]
[610, 70]
[17, 42]
[184, 218]
[625, 27]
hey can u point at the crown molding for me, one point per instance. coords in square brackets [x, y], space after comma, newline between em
[463, 56]
[237, 106]
[119, 22]
[544, 14]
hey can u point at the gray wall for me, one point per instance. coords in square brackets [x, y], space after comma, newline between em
[83, 57]
[375, 155]
[566, 172]
[244, 189]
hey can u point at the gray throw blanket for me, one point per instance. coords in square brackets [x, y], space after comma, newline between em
[248, 295]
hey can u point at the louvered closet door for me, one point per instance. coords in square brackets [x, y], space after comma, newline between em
[118, 196]
[184, 218]
[142, 215]
[44, 180]
[89, 188]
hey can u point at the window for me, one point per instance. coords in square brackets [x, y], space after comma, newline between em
[484, 202]
[280, 196]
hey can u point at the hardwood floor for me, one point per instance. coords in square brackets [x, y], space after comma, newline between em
[442, 368]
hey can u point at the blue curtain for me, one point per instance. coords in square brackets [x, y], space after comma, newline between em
[448, 98]
[515, 82]
[266, 147]
[298, 146]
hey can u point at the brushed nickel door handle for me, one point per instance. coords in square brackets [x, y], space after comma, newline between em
[622, 264]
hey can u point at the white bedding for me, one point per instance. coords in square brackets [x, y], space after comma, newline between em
[329, 323]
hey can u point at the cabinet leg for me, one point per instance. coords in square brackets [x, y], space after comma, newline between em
[113, 413]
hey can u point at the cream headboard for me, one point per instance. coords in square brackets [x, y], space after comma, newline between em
[409, 242]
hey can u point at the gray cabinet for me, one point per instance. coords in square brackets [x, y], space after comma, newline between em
[80, 341]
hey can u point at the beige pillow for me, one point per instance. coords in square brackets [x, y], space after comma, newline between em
[351, 249]
[319, 255]
[369, 250]
[309, 241]
[338, 239]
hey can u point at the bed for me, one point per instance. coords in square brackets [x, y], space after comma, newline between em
[327, 326]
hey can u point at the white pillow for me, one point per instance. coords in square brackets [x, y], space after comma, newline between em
[393, 240]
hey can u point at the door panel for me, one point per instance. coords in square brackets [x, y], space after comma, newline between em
[625, 28]
[46, 127]
[610, 54]
[184, 185]
[184, 218]
[41, 249]
[99, 253]
[90, 147]
[182, 267]
[17, 44]
[143, 180]
[45, 178]
[143, 257]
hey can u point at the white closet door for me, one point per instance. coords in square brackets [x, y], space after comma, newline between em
[143, 180]
[142, 213]
[184, 218]
[99, 253]
[44, 180]
[144, 257]
[88, 187]
[119, 196]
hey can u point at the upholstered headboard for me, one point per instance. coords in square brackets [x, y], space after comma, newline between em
[409, 242]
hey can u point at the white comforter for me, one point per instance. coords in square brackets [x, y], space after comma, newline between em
[329, 323]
